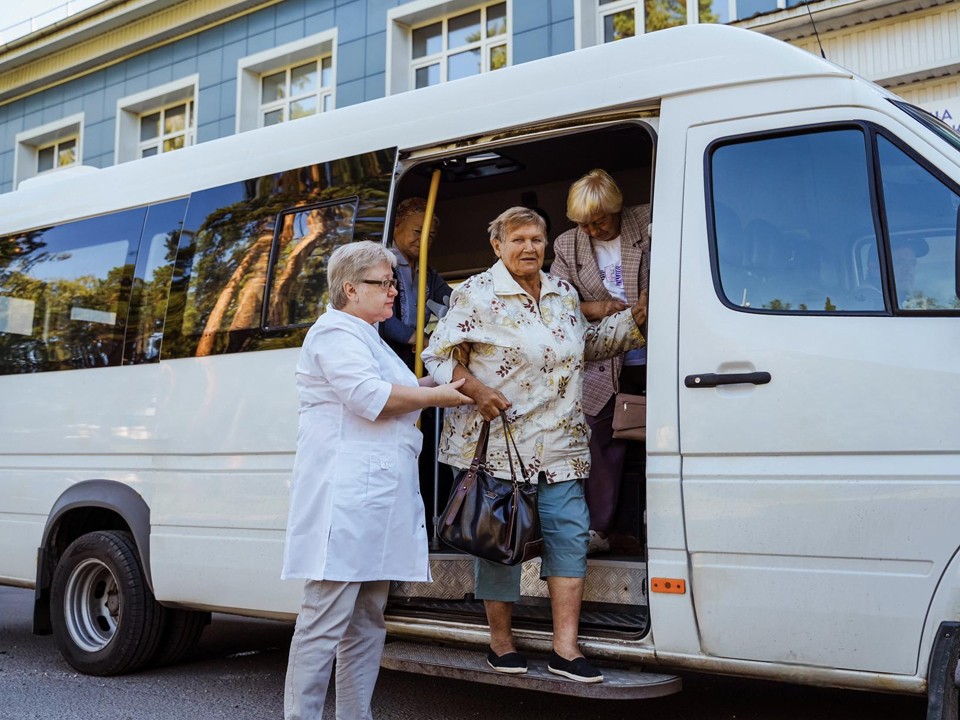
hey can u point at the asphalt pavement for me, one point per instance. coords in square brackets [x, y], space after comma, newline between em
[237, 673]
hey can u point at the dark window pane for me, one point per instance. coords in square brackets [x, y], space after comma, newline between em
[716, 11]
[66, 153]
[149, 127]
[617, 26]
[45, 157]
[794, 224]
[748, 8]
[661, 14]
[496, 20]
[151, 284]
[175, 119]
[427, 76]
[64, 293]
[216, 299]
[463, 64]
[922, 223]
[427, 40]
[298, 288]
[463, 29]
[273, 87]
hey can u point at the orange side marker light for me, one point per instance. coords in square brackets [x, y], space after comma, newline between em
[674, 586]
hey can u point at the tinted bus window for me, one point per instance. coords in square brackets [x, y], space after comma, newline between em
[298, 278]
[921, 214]
[64, 293]
[151, 282]
[217, 294]
[792, 214]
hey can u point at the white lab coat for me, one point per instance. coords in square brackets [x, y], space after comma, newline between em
[355, 508]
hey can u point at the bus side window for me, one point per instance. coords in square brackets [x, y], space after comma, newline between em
[921, 214]
[64, 293]
[151, 282]
[788, 211]
[298, 290]
[217, 293]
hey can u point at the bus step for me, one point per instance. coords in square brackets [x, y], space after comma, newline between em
[471, 665]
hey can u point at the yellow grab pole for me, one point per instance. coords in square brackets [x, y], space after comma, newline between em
[422, 278]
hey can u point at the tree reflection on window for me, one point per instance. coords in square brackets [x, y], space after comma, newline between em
[298, 290]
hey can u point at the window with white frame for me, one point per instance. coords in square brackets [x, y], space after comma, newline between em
[54, 146]
[460, 46]
[296, 91]
[60, 154]
[288, 82]
[168, 128]
[157, 121]
[430, 42]
[603, 21]
[617, 19]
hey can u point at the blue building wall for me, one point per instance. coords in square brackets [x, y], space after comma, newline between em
[540, 28]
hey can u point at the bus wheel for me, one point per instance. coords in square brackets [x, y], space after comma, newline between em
[105, 618]
[180, 634]
[943, 683]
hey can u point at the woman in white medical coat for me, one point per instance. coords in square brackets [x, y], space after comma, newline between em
[356, 516]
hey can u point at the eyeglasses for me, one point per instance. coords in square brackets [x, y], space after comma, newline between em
[385, 285]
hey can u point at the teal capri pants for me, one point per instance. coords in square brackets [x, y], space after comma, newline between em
[565, 521]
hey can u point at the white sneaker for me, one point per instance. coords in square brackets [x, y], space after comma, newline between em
[598, 543]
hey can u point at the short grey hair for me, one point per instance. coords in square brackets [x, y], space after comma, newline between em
[513, 218]
[349, 263]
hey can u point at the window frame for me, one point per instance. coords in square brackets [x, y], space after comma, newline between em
[352, 200]
[133, 108]
[886, 255]
[870, 132]
[189, 132]
[403, 20]
[322, 91]
[29, 143]
[618, 6]
[252, 69]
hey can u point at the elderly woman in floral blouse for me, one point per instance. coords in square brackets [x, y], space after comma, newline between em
[517, 337]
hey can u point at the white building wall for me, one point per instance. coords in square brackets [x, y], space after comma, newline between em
[899, 50]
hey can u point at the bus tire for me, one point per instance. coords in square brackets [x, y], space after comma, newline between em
[105, 618]
[180, 634]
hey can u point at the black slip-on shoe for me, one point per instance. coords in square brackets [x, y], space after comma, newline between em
[579, 669]
[513, 663]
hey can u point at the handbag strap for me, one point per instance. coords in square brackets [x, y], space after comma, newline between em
[508, 436]
[469, 478]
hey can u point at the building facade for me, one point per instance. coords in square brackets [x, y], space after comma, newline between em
[100, 83]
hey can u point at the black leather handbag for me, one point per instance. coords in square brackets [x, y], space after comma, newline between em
[490, 518]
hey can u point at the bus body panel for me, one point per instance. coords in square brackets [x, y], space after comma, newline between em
[816, 512]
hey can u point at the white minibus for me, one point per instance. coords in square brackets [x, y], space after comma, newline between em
[793, 504]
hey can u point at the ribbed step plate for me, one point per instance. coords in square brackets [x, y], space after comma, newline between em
[471, 665]
[608, 580]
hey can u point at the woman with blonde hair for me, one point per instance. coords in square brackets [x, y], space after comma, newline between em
[606, 257]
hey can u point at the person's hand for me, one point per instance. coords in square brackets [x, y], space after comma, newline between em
[639, 310]
[489, 401]
[599, 309]
[449, 395]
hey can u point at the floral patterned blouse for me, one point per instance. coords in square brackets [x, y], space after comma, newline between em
[534, 354]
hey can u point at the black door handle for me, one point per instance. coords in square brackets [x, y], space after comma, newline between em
[709, 380]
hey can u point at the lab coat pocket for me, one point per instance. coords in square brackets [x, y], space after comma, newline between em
[366, 480]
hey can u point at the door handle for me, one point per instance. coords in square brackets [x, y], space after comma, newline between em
[709, 380]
